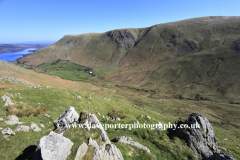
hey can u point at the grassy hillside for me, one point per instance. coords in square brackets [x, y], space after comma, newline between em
[23, 145]
[57, 100]
[63, 69]
[129, 102]
[191, 59]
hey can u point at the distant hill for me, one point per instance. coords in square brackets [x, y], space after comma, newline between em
[190, 59]
[18, 47]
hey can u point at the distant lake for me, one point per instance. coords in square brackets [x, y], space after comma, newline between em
[12, 56]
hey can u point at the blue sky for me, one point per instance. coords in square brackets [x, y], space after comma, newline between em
[50, 20]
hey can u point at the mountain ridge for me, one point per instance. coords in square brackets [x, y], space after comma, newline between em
[189, 59]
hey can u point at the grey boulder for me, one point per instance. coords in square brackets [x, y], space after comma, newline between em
[107, 152]
[201, 138]
[22, 128]
[82, 150]
[7, 132]
[53, 147]
[8, 101]
[67, 117]
[128, 140]
[35, 127]
[11, 120]
[90, 120]
[118, 119]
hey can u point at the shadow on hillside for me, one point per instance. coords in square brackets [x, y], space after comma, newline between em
[27, 153]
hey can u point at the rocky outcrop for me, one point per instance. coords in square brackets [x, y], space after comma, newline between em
[128, 140]
[89, 120]
[199, 136]
[82, 150]
[67, 117]
[200, 139]
[7, 132]
[15, 80]
[53, 147]
[11, 120]
[22, 128]
[35, 127]
[96, 122]
[107, 152]
[7, 100]
[93, 143]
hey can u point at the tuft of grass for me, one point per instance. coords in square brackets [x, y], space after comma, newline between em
[25, 111]
[116, 113]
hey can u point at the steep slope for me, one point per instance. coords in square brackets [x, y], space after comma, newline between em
[92, 49]
[195, 59]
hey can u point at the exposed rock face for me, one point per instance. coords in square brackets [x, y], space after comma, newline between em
[8, 101]
[96, 122]
[107, 152]
[7, 132]
[82, 150]
[125, 38]
[93, 143]
[201, 140]
[88, 120]
[22, 128]
[11, 120]
[128, 140]
[5, 98]
[67, 117]
[15, 80]
[53, 147]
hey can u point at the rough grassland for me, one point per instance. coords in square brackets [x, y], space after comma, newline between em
[192, 58]
[57, 100]
[63, 69]
[224, 117]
